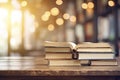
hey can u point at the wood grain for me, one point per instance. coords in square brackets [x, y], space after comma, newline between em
[37, 66]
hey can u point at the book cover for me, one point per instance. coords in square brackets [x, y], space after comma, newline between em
[107, 50]
[64, 63]
[95, 56]
[111, 62]
[59, 44]
[85, 50]
[58, 49]
[58, 56]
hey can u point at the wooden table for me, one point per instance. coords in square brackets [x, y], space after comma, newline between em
[32, 68]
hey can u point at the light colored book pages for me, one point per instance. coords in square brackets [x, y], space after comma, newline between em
[104, 63]
[95, 56]
[93, 45]
[95, 50]
[58, 56]
[58, 49]
[59, 44]
[64, 63]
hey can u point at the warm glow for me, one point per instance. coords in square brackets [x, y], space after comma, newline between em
[45, 16]
[3, 33]
[51, 27]
[54, 11]
[33, 16]
[66, 16]
[89, 12]
[3, 12]
[13, 41]
[16, 19]
[3, 1]
[90, 5]
[47, 13]
[59, 21]
[24, 3]
[111, 3]
[73, 19]
[16, 16]
[36, 24]
[32, 29]
[59, 2]
[84, 5]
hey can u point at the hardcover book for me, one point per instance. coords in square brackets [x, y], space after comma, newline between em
[64, 63]
[111, 62]
[81, 51]
[58, 56]
[50, 44]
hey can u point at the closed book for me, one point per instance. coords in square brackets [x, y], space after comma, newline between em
[95, 50]
[85, 62]
[94, 56]
[58, 49]
[64, 63]
[104, 63]
[58, 56]
[93, 45]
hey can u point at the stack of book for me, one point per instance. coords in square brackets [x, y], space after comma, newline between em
[86, 53]
[97, 53]
[60, 54]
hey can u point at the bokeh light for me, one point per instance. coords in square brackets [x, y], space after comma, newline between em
[90, 5]
[47, 13]
[54, 11]
[45, 16]
[66, 16]
[59, 2]
[73, 19]
[84, 5]
[111, 3]
[24, 3]
[59, 21]
[51, 27]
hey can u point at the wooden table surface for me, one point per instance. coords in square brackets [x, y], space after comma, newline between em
[37, 66]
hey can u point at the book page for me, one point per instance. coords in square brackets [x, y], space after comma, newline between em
[93, 45]
[59, 44]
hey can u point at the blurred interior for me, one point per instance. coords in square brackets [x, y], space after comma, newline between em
[26, 24]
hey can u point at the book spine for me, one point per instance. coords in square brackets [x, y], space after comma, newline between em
[74, 54]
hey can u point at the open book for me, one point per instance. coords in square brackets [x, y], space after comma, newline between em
[85, 50]
[59, 46]
[73, 45]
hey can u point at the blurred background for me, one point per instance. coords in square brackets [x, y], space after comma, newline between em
[26, 24]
